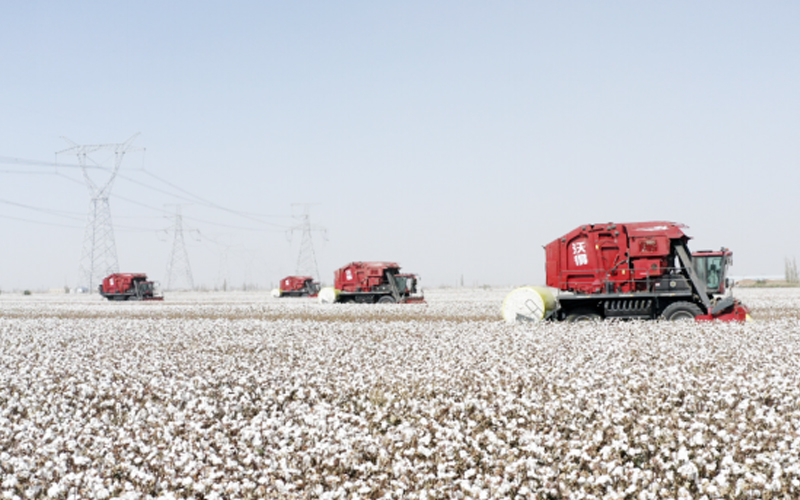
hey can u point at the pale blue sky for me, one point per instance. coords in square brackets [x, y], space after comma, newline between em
[454, 137]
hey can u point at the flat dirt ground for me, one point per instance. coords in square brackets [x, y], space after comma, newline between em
[240, 395]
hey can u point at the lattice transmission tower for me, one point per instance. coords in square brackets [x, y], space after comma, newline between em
[99, 253]
[306, 259]
[179, 272]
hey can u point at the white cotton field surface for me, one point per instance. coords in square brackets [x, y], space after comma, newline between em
[455, 304]
[281, 398]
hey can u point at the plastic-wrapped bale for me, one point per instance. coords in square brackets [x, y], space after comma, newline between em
[328, 295]
[276, 292]
[529, 303]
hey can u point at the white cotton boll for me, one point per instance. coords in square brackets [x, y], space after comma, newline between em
[55, 491]
[774, 485]
[33, 491]
[604, 479]
[688, 470]
[712, 489]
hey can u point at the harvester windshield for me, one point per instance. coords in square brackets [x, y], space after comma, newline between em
[405, 282]
[711, 267]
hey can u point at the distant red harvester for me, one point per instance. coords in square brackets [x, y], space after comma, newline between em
[128, 286]
[639, 270]
[381, 282]
[298, 286]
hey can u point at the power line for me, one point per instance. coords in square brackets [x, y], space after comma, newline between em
[26, 172]
[39, 163]
[84, 158]
[166, 213]
[38, 222]
[154, 188]
[59, 213]
[203, 201]
[197, 219]
[214, 205]
[124, 228]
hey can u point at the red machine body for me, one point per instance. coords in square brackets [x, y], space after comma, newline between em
[299, 286]
[369, 282]
[592, 258]
[128, 286]
[638, 270]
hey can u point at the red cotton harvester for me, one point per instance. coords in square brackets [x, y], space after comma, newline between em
[128, 286]
[640, 270]
[372, 282]
[297, 286]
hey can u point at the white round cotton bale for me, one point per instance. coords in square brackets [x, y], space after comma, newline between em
[529, 303]
[328, 295]
[276, 292]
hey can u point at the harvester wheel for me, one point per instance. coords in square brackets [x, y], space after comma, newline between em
[386, 299]
[681, 310]
[580, 316]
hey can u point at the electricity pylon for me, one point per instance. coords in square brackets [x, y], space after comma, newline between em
[179, 272]
[307, 259]
[99, 254]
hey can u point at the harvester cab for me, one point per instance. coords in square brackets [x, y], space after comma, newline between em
[405, 286]
[712, 268]
[406, 283]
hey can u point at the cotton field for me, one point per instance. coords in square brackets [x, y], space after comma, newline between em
[241, 395]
